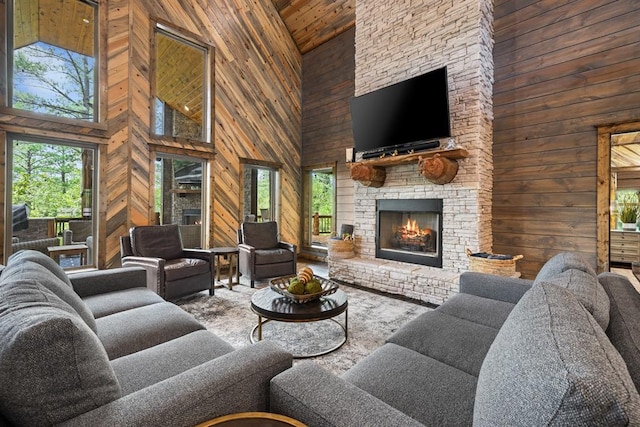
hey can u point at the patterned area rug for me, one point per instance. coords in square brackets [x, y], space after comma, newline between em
[372, 318]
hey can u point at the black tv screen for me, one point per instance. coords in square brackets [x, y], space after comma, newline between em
[408, 112]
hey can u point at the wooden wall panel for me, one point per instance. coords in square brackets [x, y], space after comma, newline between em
[256, 104]
[560, 70]
[328, 83]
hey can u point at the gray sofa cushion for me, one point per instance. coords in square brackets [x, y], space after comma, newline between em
[485, 311]
[31, 265]
[53, 366]
[552, 364]
[137, 329]
[562, 262]
[624, 323]
[150, 366]
[587, 289]
[456, 342]
[260, 235]
[114, 302]
[427, 390]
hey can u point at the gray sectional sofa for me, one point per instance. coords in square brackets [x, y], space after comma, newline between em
[100, 349]
[561, 350]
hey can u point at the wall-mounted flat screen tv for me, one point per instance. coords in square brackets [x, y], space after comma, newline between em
[411, 113]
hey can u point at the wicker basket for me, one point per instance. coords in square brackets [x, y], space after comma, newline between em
[340, 249]
[500, 267]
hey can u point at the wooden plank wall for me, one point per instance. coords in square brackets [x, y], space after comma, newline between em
[256, 99]
[560, 70]
[328, 83]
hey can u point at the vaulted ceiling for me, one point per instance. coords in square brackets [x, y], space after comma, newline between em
[313, 22]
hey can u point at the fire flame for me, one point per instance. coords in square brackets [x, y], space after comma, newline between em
[412, 226]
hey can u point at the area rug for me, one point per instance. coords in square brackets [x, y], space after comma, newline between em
[371, 319]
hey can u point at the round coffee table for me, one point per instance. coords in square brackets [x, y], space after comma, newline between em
[270, 305]
[253, 419]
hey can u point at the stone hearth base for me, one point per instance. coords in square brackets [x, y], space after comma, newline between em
[421, 283]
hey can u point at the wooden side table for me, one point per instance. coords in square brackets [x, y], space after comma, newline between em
[230, 254]
[253, 419]
[56, 251]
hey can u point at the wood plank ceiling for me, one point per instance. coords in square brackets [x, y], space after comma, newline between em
[313, 22]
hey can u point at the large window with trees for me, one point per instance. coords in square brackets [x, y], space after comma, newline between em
[52, 66]
[51, 200]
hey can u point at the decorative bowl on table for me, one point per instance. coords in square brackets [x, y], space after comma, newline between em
[281, 286]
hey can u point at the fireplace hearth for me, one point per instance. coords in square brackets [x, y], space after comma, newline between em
[409, 231]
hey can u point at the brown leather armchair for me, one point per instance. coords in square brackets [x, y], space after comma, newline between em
[261, 255]
[172, 271]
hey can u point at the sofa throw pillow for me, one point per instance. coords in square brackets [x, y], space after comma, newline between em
[260, 235]
[43, 260]
[32, 267]
[53, 367]
[624, 323]
[157, 241]
[551, 364]
[562, 262]
[588, 290]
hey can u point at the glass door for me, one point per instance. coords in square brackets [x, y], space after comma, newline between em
[319, 221]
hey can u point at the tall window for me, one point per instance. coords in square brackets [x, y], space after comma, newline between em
[51, 199]
[181, 87]
[179, 192]
[319, 205]
[53, 49]
[259, 193]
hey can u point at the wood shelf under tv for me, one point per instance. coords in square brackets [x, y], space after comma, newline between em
[372, 173]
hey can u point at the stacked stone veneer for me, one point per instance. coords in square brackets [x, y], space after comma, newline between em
[397, 40]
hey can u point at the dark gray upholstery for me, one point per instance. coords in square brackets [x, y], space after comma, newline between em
[172, 271]
[133, 330]
[114, 302]
[33, 266]
[456, 342]
[398, 384]
[484, 311]
[624, 321]
[261, 255]
[497, 354]
[52, 365]
[552, 364]
[562, 262]
[318, 398]
[586, 288]
[134, 372]
[56, 371]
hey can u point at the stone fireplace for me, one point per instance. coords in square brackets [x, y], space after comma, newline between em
[395, 41]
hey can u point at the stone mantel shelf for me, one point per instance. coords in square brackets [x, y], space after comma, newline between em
[437, 166]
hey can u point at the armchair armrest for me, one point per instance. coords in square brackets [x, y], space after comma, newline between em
[235, 382]
[290, 246]
[198, 253]
[95, 282]
[508, 289]
[316, 397]
[154, 268]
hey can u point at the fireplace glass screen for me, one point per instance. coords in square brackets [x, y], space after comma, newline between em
[410, 231]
